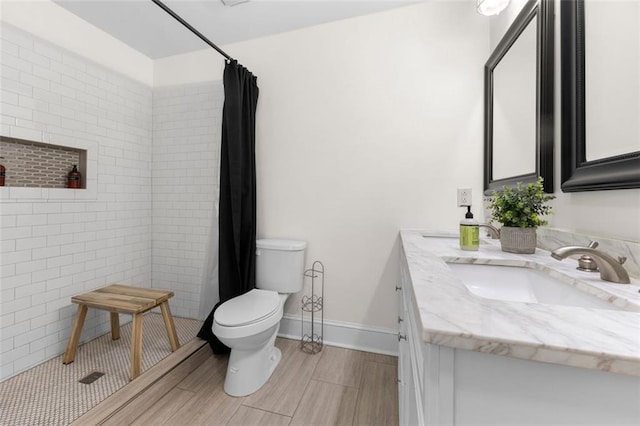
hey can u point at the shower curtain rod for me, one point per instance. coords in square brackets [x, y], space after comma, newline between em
[190, 28]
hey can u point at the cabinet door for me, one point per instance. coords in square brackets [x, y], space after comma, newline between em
[408, 392]
[404, 362]
[413, 395]
[410, 356]
[409, 407]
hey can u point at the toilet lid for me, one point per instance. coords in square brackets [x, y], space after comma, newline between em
[247, 308]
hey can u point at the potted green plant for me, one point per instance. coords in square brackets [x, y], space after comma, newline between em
[520, 212]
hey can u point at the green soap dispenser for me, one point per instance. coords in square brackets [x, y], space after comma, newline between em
[469, 232]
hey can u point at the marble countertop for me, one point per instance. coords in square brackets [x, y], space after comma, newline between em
[450, 315]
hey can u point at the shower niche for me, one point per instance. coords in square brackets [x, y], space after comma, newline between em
[30, 164]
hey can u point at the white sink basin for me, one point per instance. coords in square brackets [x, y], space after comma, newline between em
[523, 285]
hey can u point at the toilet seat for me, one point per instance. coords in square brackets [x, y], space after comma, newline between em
[251, 307]
[249, 322]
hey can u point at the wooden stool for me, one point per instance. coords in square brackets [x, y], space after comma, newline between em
[116, 299]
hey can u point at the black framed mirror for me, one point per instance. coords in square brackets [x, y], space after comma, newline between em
[518, 98]
[585, 166]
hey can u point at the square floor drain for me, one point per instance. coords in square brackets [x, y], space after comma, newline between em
[91, 377]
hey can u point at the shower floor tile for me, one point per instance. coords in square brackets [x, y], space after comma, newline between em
[50, 394]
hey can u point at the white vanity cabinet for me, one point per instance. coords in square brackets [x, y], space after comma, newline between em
[409, 400]
[419, 375]
[440, 382]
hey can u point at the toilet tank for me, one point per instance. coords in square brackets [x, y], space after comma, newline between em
[280, 265]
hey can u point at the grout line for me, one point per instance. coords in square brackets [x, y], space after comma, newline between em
[317, 363]
[235, 412]
[311, 378]
[337, 384]
[261, 409]
[301, 398]
[355, 409]
[359, 398]
[306, 387]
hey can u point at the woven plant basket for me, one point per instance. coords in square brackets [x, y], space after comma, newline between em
[518, 240]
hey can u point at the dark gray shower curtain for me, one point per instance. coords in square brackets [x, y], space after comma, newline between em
[237, 218]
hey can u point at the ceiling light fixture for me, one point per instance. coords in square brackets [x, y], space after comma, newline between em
[491, 7]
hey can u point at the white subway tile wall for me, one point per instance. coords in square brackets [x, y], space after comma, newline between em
[186, 144]
[54, 245]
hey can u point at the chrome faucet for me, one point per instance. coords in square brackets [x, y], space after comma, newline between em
[610, 269]
[495, 232]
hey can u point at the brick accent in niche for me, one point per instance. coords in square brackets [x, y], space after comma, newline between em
[37, 165]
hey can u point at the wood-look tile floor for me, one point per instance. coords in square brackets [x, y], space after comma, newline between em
[335, 387]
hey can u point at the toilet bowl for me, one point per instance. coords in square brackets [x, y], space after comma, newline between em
[248, 324]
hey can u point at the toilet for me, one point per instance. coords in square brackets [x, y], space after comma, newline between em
[248, 324]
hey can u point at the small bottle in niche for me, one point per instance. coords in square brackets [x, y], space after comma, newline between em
[73, 179]
[2, 173]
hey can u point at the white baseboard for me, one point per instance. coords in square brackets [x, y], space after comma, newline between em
[346, 335]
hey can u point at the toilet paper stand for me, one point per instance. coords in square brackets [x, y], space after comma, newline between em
[311, 341]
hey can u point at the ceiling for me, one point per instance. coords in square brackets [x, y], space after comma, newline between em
[147, 28]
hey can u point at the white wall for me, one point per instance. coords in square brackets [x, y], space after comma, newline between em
[614, 214]
[366, 126]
